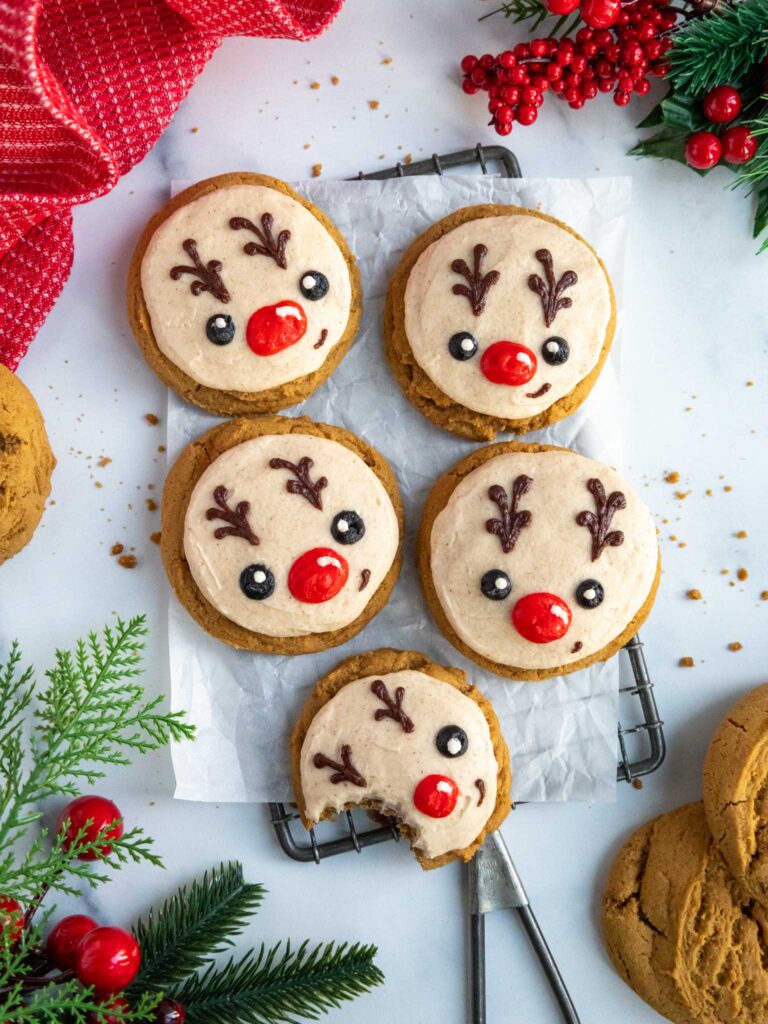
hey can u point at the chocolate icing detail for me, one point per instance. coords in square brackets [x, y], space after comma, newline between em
[477, 287]
[237, 517]
[542, 391]
[207, 274]
[577, 647]
[481, 791]
[551, 291]
[267, 244]
[322, 339]
[303, 484]
[365, 579]
[342, 772]
[512, 522]
[394, 708]
[599, 524]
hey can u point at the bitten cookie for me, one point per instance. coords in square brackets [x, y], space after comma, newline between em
[391, 731]
[26, 464]
[281, 535]
[678, 928]
[498, 319]
[736, 791]
[243, 296]
[536, 561]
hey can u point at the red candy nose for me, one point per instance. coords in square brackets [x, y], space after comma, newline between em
[274, 328]
[317, 575]
[436, 795]
[541, 618]
[508, 362]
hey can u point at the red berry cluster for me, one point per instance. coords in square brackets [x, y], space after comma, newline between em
[735, 145]
[617, 51]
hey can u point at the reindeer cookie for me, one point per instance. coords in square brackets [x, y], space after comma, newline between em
[498, 319]
[392, 731]
[281, 535]
[242, 295]
[536, 561]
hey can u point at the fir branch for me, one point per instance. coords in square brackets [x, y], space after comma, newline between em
[73, 1003]
[719, 48]
[276, 986]
[194, 925]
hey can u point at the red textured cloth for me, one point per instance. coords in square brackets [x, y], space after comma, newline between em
[86, 88]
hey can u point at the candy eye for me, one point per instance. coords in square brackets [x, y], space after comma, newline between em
[257, 582]
[590, 593]
[496, 585]
[220, 328]
[555, 351]
[314, 285]
[462, 346]
[451, 741]
[347, 527]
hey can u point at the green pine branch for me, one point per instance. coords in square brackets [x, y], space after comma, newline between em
[277, 986]
[719, 48]
[194, 925]
[534, 12]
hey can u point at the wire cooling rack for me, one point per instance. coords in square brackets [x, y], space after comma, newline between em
[641, 741]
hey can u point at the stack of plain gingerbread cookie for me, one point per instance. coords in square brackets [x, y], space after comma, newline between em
[685, 910]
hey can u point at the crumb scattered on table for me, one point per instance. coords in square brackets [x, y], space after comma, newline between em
[741, 534]
[387, 60]
[317, 170]
[103, 461]
[672, 478]
[373, 104]
[116, 549]
[407, 159]
[685, 663]
[694, 594]
[155, 537]
[637, 783]
[151, 419]
[151, 505]
[735, 646]
[127, 561]
[314, 85]
[335, 79]
[764, 595]
[742, 574]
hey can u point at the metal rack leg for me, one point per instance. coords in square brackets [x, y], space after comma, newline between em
[548, 964]
[477, 966]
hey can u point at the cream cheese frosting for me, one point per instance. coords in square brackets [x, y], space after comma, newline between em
[252, 282]
[392, 761]
[552, 555]
[288, 525]
[511, 312]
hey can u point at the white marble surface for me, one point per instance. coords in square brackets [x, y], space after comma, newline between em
[695, 328]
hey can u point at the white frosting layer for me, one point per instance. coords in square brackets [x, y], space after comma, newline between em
[178, 317]
[552, 555]
[287, 525]
[393, 761]
[512, 312]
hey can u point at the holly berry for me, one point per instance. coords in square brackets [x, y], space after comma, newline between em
[170, 1012]
[272, 329]
[87, 818]
[703, 150]
[317, 575]
[108, 959]
[739, 145]
[722, 104]
[508, 362]
[600, 13]
[541, 618]
[104, 1016]
[11, 918]
[436, 796]
[63, 941]
[561, 6]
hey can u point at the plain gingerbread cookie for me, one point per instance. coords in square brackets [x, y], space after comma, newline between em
[26, 464]
[498, 319]
[243, 296]
[394, 732]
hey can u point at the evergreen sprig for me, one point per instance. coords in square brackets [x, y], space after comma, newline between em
[720, 47]
[534, 12]
[194, 925]
[277, 985]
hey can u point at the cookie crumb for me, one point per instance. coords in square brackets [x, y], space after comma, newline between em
[724, 572]
[194, 130]
[314, 85]
[680, 495]
[161, 447]
[764, 595]
[335, 79]
[151, 419]
[127, 561]
[741, 534]
[735, 646]
[116, 549]
[637, 783]
[151, 505]
[387, 60]
[155, 537]
[103, 461]
[407, 159]
[742, 574]
[694, 594]
[672, 478]
[317, 170]
[373, 104]
[727, 488]
[685, 663]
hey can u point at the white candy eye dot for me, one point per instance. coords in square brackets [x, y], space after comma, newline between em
[342, 526]
[454, 746]
[259, 576]
[552, 346]
[502, 583]
[220, 322]
[308, 281]
[468, 345]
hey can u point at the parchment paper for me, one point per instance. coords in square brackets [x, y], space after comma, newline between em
[561, 732]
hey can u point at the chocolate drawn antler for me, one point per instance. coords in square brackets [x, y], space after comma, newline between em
[267, 245]
[478, 286]
[394, 708]
[303, 484]
[551, 291]
[508, 528]
[599, 525]
[207, 274]
[344, 772]
[237, 517]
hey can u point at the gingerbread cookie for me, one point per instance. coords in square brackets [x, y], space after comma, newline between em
[243, 296]
[498, 319]
[680, 930]
[736, 791]
[391, 731]
[26, 464]
[536, 561]
[281, 535]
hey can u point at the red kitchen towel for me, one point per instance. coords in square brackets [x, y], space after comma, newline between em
[86, 88]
